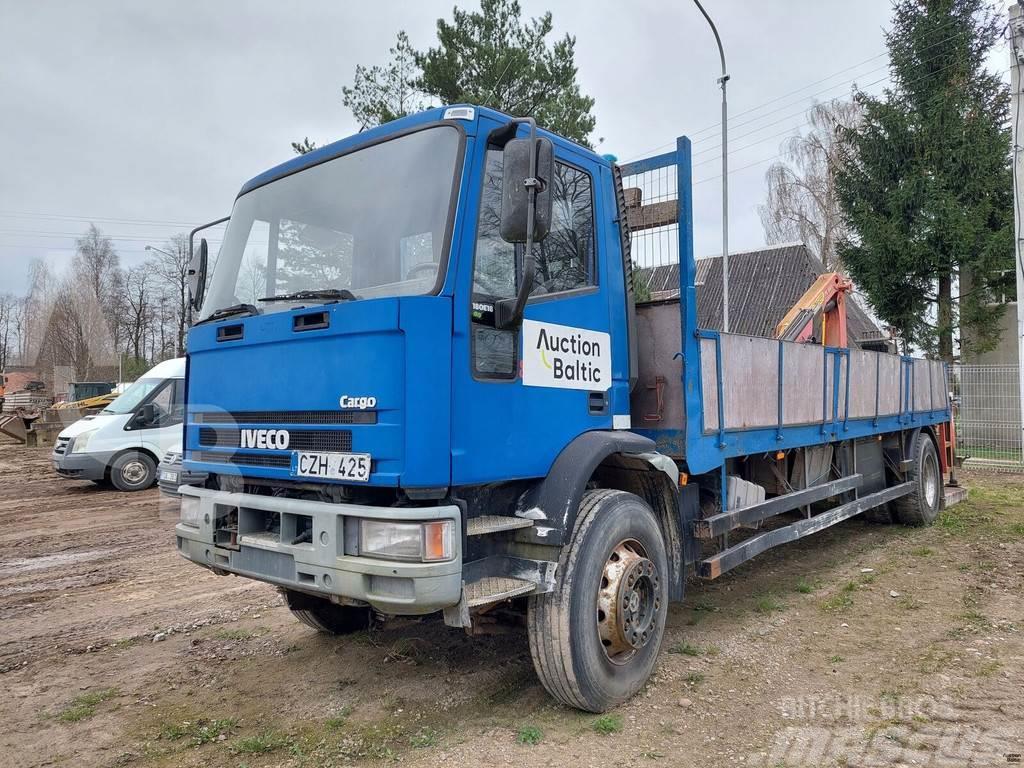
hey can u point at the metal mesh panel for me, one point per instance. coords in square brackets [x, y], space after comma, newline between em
[655, 246]
[988, 424]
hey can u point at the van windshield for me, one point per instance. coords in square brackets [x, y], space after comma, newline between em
[129, 400]
[369, 223]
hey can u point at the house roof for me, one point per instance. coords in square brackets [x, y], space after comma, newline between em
[763, 285]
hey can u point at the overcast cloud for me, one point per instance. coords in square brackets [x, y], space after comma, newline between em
[148, 117]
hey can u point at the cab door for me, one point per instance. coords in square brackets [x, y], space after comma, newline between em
[157, 420]
[520, 396]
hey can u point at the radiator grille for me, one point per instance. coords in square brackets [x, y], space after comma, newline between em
[299, 440]
[244, 459]
[280, 418]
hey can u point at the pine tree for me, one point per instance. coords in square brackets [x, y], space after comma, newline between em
[492, 58]
[925, 181]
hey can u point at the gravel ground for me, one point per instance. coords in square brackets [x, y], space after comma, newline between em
[864, 646]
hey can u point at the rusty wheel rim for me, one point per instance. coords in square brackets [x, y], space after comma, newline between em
[628, 601]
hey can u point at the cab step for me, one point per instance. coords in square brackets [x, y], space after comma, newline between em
[494, 589]
[478, 526]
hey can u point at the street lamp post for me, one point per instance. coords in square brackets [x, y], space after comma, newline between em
[725, 172]
[160, 250]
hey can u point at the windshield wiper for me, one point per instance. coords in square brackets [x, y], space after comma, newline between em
[234, 309]
[326, 294]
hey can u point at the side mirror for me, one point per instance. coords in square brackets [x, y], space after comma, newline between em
[146, 416]
[518, 170]
[197, 275]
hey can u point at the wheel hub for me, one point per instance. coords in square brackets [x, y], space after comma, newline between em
[628, 601]
[133, 472]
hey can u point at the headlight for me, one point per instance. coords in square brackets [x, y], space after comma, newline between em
[80, 443]
[425, 542]
[190, 511]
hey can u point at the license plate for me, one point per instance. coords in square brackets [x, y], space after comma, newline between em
[332, 466]
[170, 477]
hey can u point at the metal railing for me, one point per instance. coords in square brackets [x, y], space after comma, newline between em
[988, 424]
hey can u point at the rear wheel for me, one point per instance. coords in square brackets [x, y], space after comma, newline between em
[921, 506]
[595, 638]
[325, 616]
[133, 471]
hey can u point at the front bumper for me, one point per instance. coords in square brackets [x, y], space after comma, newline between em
[321, 566]
[81, 466]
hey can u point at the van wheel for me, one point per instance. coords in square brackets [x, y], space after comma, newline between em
[325, 616]
[133, 471]
[921, 506]
[595, 638]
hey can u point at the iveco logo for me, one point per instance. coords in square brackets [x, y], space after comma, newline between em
[274, 439]
[359, 403]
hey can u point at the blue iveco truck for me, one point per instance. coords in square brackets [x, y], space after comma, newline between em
[420, 383]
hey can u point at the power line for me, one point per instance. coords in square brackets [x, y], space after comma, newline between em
[693, 136]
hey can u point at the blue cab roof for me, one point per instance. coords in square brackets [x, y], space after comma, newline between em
[432, 115]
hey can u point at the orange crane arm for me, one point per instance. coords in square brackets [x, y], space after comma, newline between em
[826, 297]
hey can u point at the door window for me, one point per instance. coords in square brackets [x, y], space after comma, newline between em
[565, 259]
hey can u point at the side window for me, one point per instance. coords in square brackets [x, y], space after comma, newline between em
[565, 259]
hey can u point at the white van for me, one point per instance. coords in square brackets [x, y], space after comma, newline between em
[122, 444]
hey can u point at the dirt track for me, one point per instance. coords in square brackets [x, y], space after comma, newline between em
[864, 646]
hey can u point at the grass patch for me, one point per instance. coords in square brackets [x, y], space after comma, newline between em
[201, 731]
[712, 650]
[685, 649]
[836, 659]
[767, 604]
[338, 720]
[530, 735]
[909, 603]
[988, 668]
[922, 552]
[607, 724]
[125, 642]
[84, 706]
[423, 738]
[867, 578]
[704, 605]
[694, 678]
[837, 603]
[261, 743]
[236, 634]
[851, 586]
[1017, 529]
[805, 587]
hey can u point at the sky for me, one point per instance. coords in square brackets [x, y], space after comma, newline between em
[146, 118]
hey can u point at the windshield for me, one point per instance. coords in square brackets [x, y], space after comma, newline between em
[372, 222]
[135, 394]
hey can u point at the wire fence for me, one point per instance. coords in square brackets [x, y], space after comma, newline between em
[988, 424]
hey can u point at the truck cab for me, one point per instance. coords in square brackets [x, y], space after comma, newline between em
[409, 391]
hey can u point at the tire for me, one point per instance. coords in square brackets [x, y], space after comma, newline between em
[325, 616]
[133, 471]
[569, 642]
[921, 506]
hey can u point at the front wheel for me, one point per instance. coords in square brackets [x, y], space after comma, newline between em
[595, 638]
[325, 616]
[133, 471]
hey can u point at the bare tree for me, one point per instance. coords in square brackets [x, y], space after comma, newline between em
[802, 202]
[172, 268]
[9, 308]
[138, 308]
